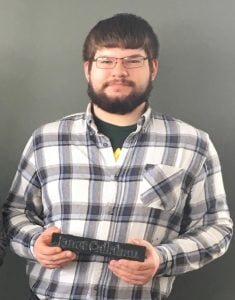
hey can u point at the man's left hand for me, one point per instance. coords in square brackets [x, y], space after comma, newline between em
[135, 272]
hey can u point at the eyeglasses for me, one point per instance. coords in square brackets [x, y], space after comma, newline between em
[129, 62]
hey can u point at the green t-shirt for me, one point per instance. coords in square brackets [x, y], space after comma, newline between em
[116, 134]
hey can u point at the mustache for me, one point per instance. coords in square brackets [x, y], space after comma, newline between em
[120, 81]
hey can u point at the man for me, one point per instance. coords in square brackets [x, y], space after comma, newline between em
[118, 172]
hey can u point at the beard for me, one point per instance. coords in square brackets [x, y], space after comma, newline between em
[119, 105]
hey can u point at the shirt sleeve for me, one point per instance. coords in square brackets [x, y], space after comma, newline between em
[206, 228]
[3, 242]
[23, 209]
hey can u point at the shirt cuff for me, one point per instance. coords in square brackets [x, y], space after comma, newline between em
[164, 260]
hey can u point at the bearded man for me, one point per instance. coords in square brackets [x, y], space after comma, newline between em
[118, 172]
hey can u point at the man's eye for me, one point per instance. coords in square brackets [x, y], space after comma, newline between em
[134, 61]
[106, 61]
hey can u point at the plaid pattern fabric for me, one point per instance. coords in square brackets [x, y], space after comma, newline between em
[165, 187]
[3, 242]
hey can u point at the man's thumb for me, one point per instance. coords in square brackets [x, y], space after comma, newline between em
[47, 234]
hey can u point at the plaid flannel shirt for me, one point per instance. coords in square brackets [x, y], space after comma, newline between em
[3, 242]
[166, 187]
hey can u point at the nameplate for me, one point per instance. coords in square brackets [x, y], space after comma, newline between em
[87, 246]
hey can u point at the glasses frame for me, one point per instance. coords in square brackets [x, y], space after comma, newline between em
[124, 60]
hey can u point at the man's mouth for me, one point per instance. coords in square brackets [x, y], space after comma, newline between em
[119, 83]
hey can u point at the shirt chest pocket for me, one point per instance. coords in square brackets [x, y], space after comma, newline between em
[161, 187]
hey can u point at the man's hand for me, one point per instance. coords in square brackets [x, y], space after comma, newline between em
[48, 256]
[135, 272]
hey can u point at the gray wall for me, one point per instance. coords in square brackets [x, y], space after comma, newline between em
[41, 79]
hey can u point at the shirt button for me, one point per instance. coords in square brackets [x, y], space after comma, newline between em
[95, 287]
[105, 145]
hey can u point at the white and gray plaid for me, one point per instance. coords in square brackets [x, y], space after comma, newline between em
[166, 187]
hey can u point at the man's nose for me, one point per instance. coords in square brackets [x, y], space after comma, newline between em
[119, 69]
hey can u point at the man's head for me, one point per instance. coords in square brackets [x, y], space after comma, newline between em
[125, 31]
[115, 84]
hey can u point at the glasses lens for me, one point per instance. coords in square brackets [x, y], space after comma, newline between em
[133, 62]
[105, 62]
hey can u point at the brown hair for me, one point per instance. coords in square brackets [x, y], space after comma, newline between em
[123, 30]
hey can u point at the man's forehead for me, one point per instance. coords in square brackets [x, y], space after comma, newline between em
[119, 52]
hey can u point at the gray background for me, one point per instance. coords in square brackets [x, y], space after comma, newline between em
[41, 79]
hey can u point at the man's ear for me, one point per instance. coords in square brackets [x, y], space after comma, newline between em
[154, 69]
[86, 70]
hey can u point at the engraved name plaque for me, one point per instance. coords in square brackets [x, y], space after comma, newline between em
[87, 246]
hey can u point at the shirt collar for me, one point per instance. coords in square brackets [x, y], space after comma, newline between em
[143, 121]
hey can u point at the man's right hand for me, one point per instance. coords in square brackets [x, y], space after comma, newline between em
[49, 256]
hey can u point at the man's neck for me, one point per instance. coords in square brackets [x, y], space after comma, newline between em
[117, 119]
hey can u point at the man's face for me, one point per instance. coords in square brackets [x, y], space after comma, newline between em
[119, 89]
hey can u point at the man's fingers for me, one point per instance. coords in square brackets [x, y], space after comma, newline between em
[44, 243]
[49, 256]
[130, 277]
[135, 272]
[126, 268]
[58, 260]
[42, 248]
